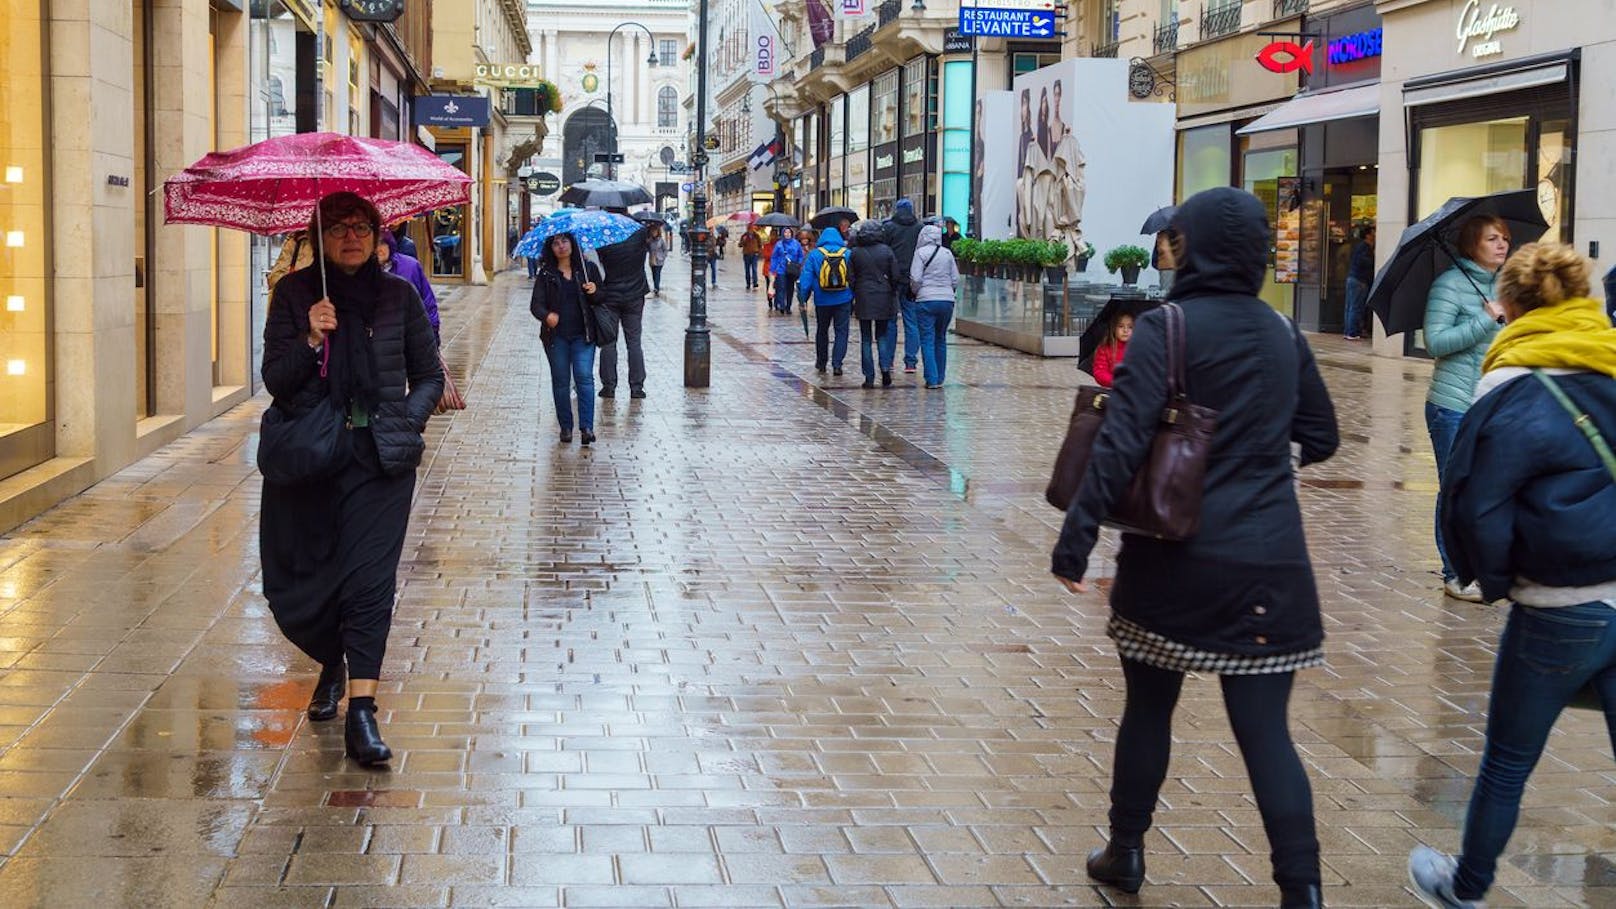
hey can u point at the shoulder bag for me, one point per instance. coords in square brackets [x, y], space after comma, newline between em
[1164, 498]
[296, 450]
[1586, 697]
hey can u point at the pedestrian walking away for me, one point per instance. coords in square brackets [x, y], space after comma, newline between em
[766, 257]
[1237, 599]
[786, 266]
[1360, 277]
[903, 235]
[934, 278]
[623, 290]
[564, 298]
[657, 249]
[1461, 318]
[876, 283]
[827, 278]
[1526, 503]
[297, 252]
[751, 247]
[714, 250]
[330, 547]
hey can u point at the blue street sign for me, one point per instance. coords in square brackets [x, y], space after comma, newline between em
[1006, 23]
[687, 187]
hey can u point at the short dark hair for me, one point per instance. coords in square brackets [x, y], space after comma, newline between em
[1470, 233]
[337, 206]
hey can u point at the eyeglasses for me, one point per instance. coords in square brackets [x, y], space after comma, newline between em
[343, 230]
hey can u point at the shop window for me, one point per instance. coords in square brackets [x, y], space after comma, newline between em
[1028, 61]
[1476, 159]
[1203, 159]
[884, 109]
[915, 87]
[446, 224]
[838, 122]
[858, 119]
[667, 107]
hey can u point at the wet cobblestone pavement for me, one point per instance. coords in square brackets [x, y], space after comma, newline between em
[785, 641]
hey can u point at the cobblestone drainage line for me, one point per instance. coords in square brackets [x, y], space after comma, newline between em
[927, 464]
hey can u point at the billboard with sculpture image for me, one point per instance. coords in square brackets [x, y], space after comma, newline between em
[1068, 157]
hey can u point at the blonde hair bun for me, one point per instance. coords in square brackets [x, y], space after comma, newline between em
[1543, 274]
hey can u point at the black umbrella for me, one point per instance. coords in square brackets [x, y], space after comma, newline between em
[650, 217]
[1429, 248]
[1094, 335]
[1159, 220]
[777, 219]
[830, 217]
[605, 194]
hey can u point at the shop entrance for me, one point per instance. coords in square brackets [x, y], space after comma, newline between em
[1350, 205]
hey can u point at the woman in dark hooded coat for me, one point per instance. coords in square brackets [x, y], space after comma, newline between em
[1238, 599]
[876, 280]
[330, 547]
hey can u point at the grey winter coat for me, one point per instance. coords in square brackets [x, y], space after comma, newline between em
[934, 274]
[1458, 332]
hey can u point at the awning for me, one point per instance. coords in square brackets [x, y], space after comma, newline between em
[1362, 101]
[1487, 85]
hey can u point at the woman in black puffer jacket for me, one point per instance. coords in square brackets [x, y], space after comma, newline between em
[330, 547]
[876, 280]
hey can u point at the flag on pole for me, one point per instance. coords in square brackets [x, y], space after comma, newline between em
[820, 24]
[765, 38]
[849, 9]
[765, 154]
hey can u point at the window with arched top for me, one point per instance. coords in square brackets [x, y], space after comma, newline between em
[667, 107]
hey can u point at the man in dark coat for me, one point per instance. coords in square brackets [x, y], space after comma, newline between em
[903, 233]
[1238, 598]
[624, 293]
[876, 281]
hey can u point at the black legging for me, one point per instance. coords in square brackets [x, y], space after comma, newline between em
[1257, 710]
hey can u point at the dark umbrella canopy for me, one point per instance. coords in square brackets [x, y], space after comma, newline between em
[1159, 220]
[777, 219]
[605, 194]
[1430, 247]
[650, 217]
[830, 217]
[1094, 335]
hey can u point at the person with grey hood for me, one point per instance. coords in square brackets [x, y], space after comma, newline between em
[903, 235]
[876, 284]
[934, 277]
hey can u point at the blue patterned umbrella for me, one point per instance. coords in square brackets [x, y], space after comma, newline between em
[590, 227]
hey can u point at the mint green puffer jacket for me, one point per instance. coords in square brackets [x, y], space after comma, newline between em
[1458, 332]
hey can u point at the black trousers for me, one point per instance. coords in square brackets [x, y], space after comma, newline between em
[633, 322]
[1257, 707]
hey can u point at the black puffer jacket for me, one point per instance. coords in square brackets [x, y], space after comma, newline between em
[410, 379]
[876, 278]
[624, 265]
[903, 233]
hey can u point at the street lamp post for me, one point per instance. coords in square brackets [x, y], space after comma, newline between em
[651, 60]
[698, 343]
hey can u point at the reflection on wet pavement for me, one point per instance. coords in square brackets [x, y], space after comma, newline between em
[783, 641]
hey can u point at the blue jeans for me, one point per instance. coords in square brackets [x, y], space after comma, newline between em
[911, 329]
[933, 317]
[1357, 294]
[1443, 425]
[750, 263]
[1544, 656]
[533, 267]
[875, 331]
[572, 362]
[839, 316]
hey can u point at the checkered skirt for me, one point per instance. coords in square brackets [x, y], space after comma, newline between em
[1144, 646]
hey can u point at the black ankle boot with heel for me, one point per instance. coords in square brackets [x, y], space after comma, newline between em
[1309, 897]
[328, 692]
[1122, 867]
[362, 736]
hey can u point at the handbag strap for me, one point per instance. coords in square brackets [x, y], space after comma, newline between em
[1176, 383]
[1581, 419]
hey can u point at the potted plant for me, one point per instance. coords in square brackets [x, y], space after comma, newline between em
[1129, 259]
[1052, 256]
[965, 251]
[1084, 252]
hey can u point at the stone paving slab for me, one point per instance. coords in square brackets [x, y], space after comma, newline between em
[780, 642]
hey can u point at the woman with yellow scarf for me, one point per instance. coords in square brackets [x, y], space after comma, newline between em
[1527, 502]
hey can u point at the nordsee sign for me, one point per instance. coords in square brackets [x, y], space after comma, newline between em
[1473, 23]
[1353, 48]
[1006, 23]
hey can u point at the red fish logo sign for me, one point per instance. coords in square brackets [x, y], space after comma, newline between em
[1287, 57]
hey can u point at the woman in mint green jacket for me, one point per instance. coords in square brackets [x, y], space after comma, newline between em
[1461, 318]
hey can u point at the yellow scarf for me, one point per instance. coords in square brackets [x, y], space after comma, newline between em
[1573, 334]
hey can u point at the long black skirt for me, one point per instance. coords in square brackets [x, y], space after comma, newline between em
[330, 554]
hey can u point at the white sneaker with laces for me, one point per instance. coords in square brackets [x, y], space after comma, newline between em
[1431, 872]
[1470, 593]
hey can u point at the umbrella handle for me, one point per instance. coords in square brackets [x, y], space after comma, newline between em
[1442, 245]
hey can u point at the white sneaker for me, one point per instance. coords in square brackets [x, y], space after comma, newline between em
[1431, 872]
[1470, 593]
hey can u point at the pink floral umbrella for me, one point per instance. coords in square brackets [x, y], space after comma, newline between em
[271, 187]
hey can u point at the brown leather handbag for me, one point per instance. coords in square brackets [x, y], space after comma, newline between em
[1164, 498]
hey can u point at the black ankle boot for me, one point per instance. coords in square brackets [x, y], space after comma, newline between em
[328, 692]
[1307, 898]
[363, 739]
[1123, 867]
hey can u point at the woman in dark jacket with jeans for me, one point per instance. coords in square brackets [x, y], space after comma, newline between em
[876, 282]
[330, 548]
[564, 299]
[1527, 502]
[1238, 599]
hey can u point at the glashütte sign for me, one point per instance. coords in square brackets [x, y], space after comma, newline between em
[1473, 23]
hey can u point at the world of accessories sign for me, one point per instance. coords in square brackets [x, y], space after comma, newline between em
[1483, 26]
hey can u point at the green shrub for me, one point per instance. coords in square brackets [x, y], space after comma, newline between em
[1124, 256]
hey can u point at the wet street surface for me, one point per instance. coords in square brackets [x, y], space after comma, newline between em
[783, 641]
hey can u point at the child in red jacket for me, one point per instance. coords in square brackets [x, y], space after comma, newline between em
[1109, 356]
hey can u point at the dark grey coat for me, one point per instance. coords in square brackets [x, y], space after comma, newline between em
[1244, 584]
[876, 278]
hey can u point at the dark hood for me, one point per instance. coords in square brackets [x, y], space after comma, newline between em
[1225, 240]
[904, 213]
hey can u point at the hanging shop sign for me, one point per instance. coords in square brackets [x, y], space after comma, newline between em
[451, 110]
[373, 10]
[543, 183]
[1286, 57]
[956, 43]
[1482, 26]
[1353, 48]
[509, 75]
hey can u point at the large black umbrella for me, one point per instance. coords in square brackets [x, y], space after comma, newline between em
[830, 217]
[1094, 335]
[650, 217]
[1159, 220]
[605, 194]
[1429, 248]
[777, 219]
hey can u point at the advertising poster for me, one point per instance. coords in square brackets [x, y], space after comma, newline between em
[1288, 230]
[995, 162]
